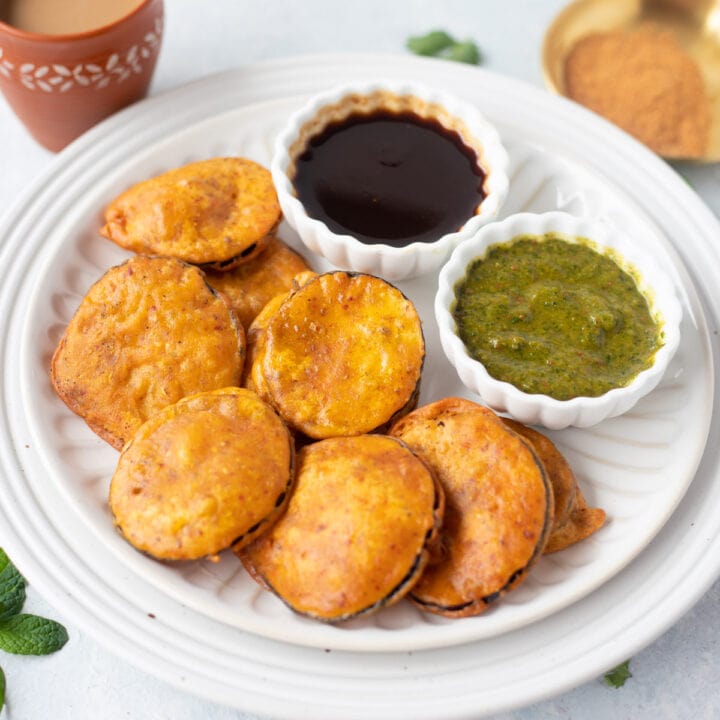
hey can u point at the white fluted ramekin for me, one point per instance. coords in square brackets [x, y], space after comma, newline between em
[537, 409]
[345, 251]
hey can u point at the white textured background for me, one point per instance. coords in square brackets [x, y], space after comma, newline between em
[677, 677]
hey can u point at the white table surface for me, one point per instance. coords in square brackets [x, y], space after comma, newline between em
[676, 677]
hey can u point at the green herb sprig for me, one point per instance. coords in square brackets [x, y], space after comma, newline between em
[437, 43]
[616, 677]
[22, 633]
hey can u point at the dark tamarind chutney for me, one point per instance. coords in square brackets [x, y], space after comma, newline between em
[391, 178]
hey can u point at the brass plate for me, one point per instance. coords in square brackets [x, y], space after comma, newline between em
[696, 24]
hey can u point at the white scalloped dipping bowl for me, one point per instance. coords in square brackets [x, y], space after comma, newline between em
[537, 409]
[347, 252]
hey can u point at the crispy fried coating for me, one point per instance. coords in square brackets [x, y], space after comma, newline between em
[255, 336]
[582, 522]
[218, 212]
[356, 532]
[498, 505]
[343, 355]
[253, 284]
[210, 472]
[559, 472]
[573, 519]
[148, 333]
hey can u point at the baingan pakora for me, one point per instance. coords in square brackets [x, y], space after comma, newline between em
[147, 333]
[215, 213]
[207, 473]
[498, 511]
[358, 530]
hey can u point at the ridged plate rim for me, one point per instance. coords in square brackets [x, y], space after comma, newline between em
[663, 192]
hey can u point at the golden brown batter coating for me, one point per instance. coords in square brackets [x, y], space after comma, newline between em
[573, 519]
[253, 284]
[582, 522]
[148, 333]
[356, 531]
[342, 355]
[498, 510]
[255, 337]
[558, 471]
[211, 471]
[217, 212]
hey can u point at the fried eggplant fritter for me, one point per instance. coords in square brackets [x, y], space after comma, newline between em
[207, 473]
[342, 355]
[218, 213]
[498, 505]
[357, 531]
[253, 284]
[148, 333]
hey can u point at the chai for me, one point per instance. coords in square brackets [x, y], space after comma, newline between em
[64, 17]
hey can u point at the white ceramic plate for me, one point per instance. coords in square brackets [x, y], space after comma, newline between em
[52, 504]
[636, 468]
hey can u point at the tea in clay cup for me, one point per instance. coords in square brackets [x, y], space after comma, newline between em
[60, 85]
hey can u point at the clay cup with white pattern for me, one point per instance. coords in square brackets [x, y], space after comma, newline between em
[59, 86]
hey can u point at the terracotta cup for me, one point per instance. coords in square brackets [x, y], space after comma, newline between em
[61, 85]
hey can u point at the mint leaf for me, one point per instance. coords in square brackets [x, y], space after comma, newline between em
[22, 634]
[430, 44]
[12, 588]
[31, 635]
[617, 676]
[465, 52]
[439, 44]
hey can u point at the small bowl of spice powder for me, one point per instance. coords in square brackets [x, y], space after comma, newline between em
[651, 68]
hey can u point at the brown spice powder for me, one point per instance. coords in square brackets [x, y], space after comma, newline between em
[644, 82]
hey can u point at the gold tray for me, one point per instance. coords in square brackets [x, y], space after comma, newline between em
[695, 23]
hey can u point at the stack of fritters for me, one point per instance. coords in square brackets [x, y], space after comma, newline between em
[152, 332]
[510, 496]
[499, 505]
[448, 503]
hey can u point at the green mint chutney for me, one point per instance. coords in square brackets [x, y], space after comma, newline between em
[555, 317]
